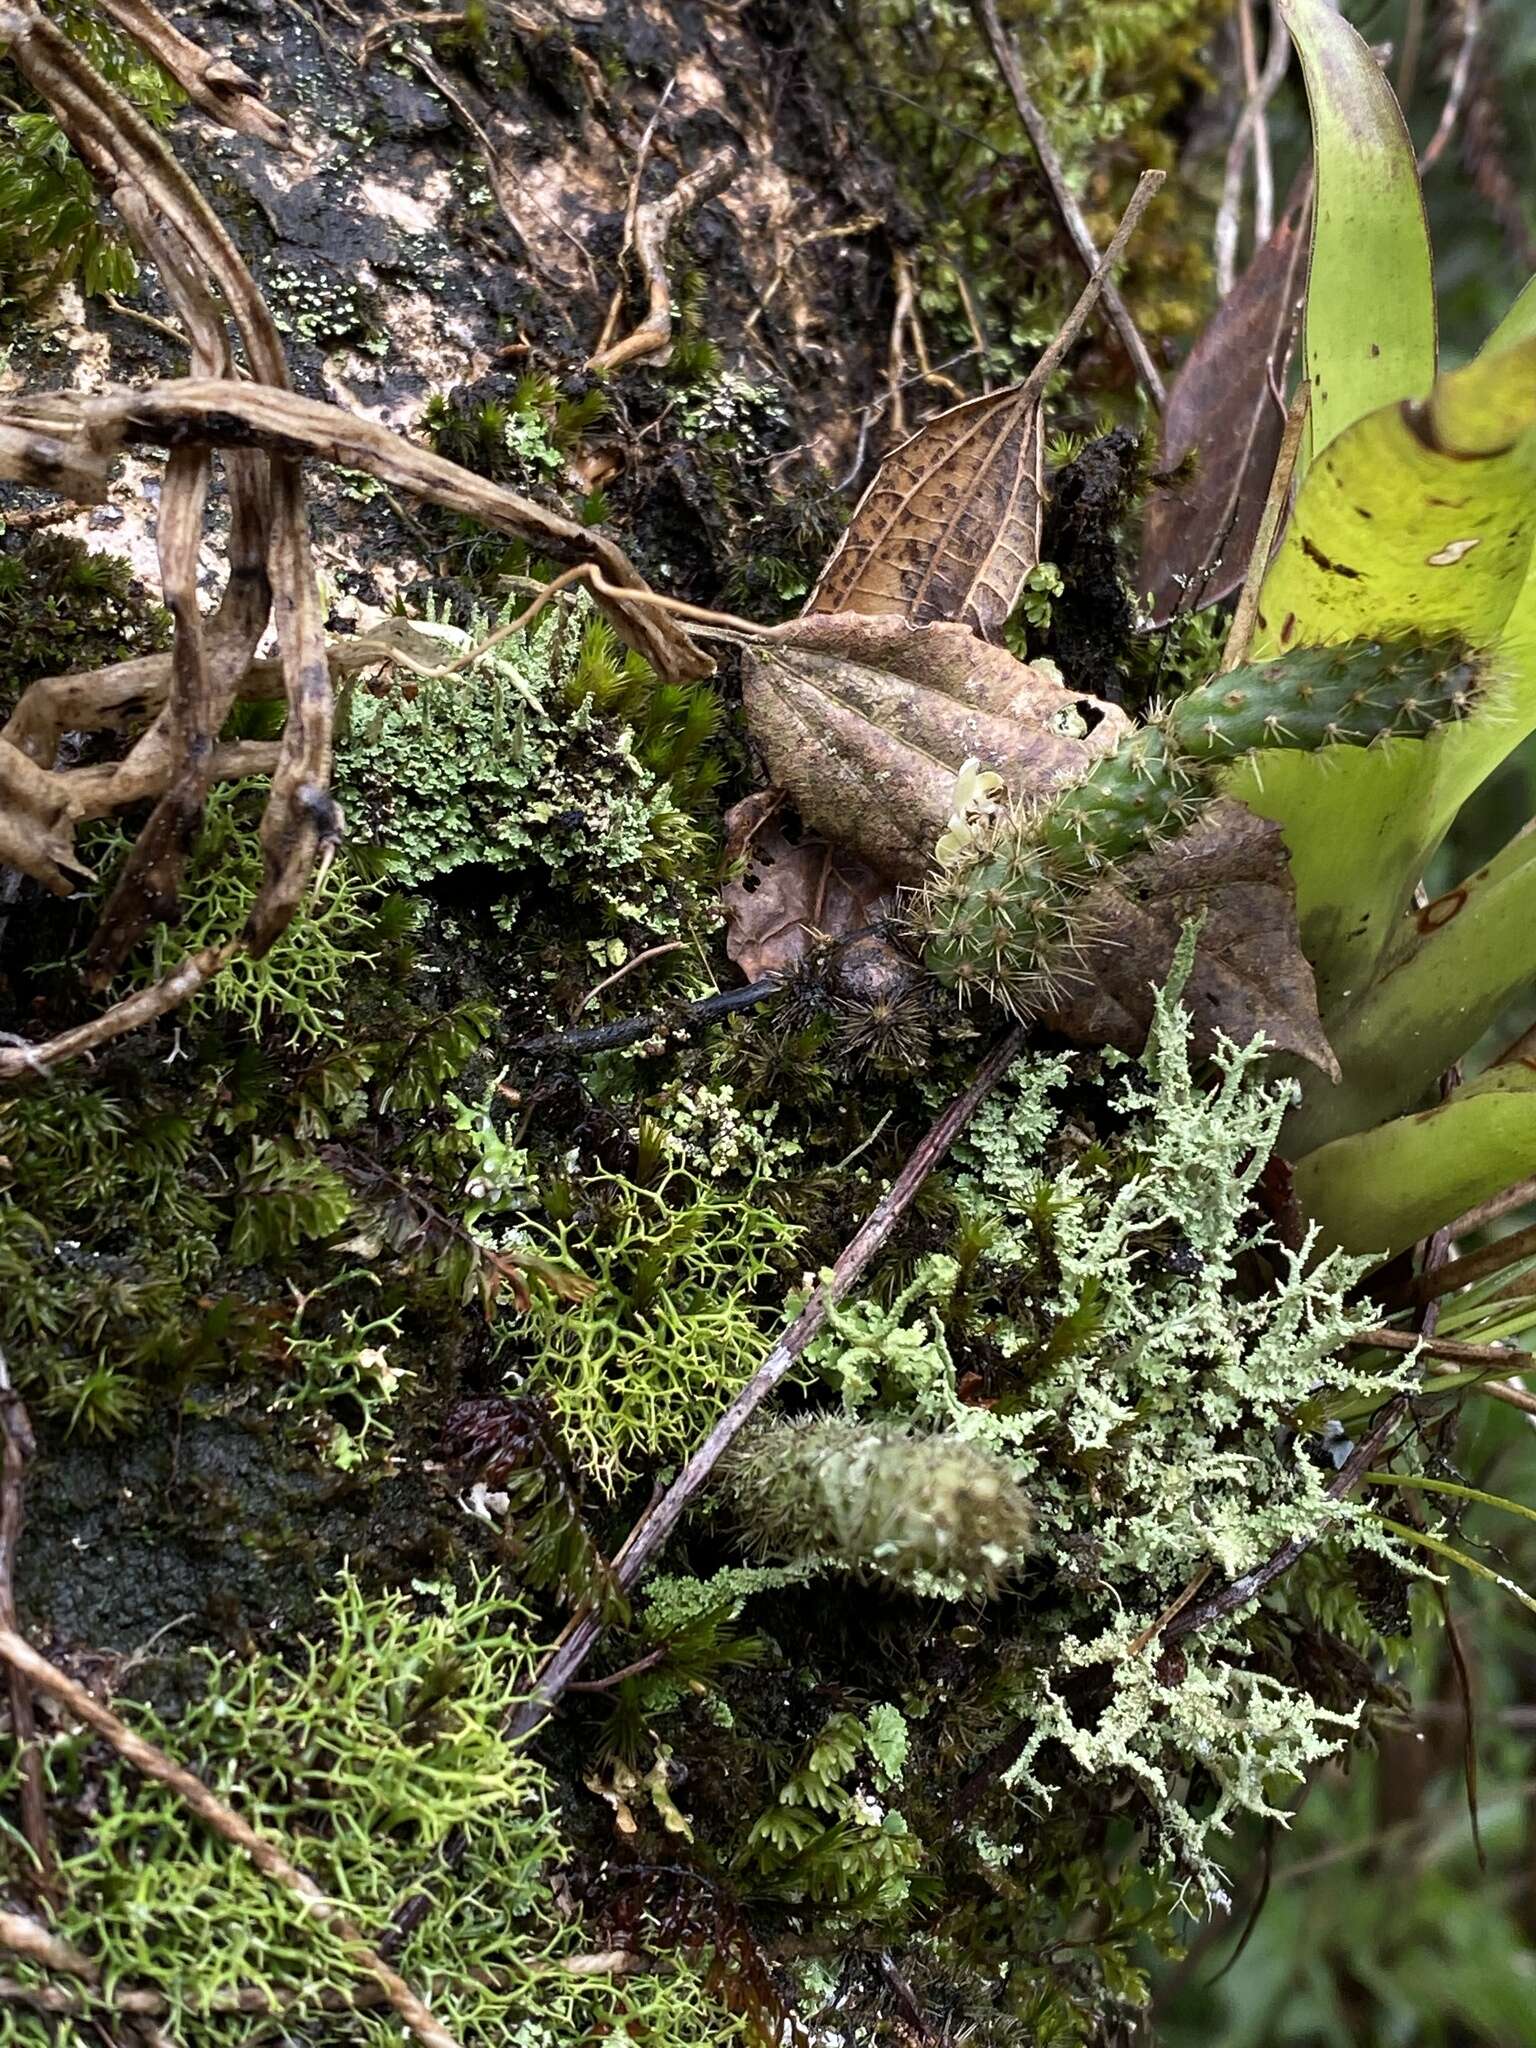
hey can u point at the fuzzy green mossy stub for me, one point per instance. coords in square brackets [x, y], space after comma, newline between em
[639, 1368]
[932, 1511]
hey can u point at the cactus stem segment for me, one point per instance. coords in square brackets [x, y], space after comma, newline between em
[1006, 917]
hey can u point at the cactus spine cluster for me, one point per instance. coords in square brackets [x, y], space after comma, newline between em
[874, 1498]
[1005, 914]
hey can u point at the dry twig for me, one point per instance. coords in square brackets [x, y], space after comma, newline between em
[1493, 1258]
[1007, 59]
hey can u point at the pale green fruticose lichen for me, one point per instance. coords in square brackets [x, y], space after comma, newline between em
[1178, 1433]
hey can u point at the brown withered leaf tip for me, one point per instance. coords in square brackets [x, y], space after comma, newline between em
[1225, 417]
[1250, 973]
[950, 526]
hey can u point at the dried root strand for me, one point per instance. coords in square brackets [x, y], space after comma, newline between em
[67, 443]
[215, 85]
[653, 224]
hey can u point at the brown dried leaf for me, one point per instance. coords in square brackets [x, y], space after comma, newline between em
[1250, 973]
[950, 527]
[1226, 411]
[865, 723]
[791, 893]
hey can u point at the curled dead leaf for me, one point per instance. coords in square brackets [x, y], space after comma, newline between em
[1226, 416]
[1250, 973]
[789, 894]
[865, 723]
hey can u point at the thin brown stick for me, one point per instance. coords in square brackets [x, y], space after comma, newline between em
[229, 1826]
[1245, 615]
[18, 1446]
[1510, 1396]
[653, 224]
[1007, 60]
[1448, 1348]
[654, 1529]
[618, 974]
[1248, 1586]
[1493, 1258]
[131, 1014]
[1099, 286]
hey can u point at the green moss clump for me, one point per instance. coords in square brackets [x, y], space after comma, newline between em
[357, 1753]
[64, 607]
[928, 1510]
[1106, 80]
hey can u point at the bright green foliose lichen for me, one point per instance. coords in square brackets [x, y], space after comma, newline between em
[554, 755]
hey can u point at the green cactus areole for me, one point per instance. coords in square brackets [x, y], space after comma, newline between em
[1005, 914]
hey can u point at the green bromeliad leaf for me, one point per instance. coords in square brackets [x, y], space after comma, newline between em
[1458, 962]
[1416, 519]
[1382, 1190]
[1518, 324]
[1363, 349]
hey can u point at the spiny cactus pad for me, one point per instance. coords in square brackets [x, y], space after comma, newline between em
[1007, 920]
